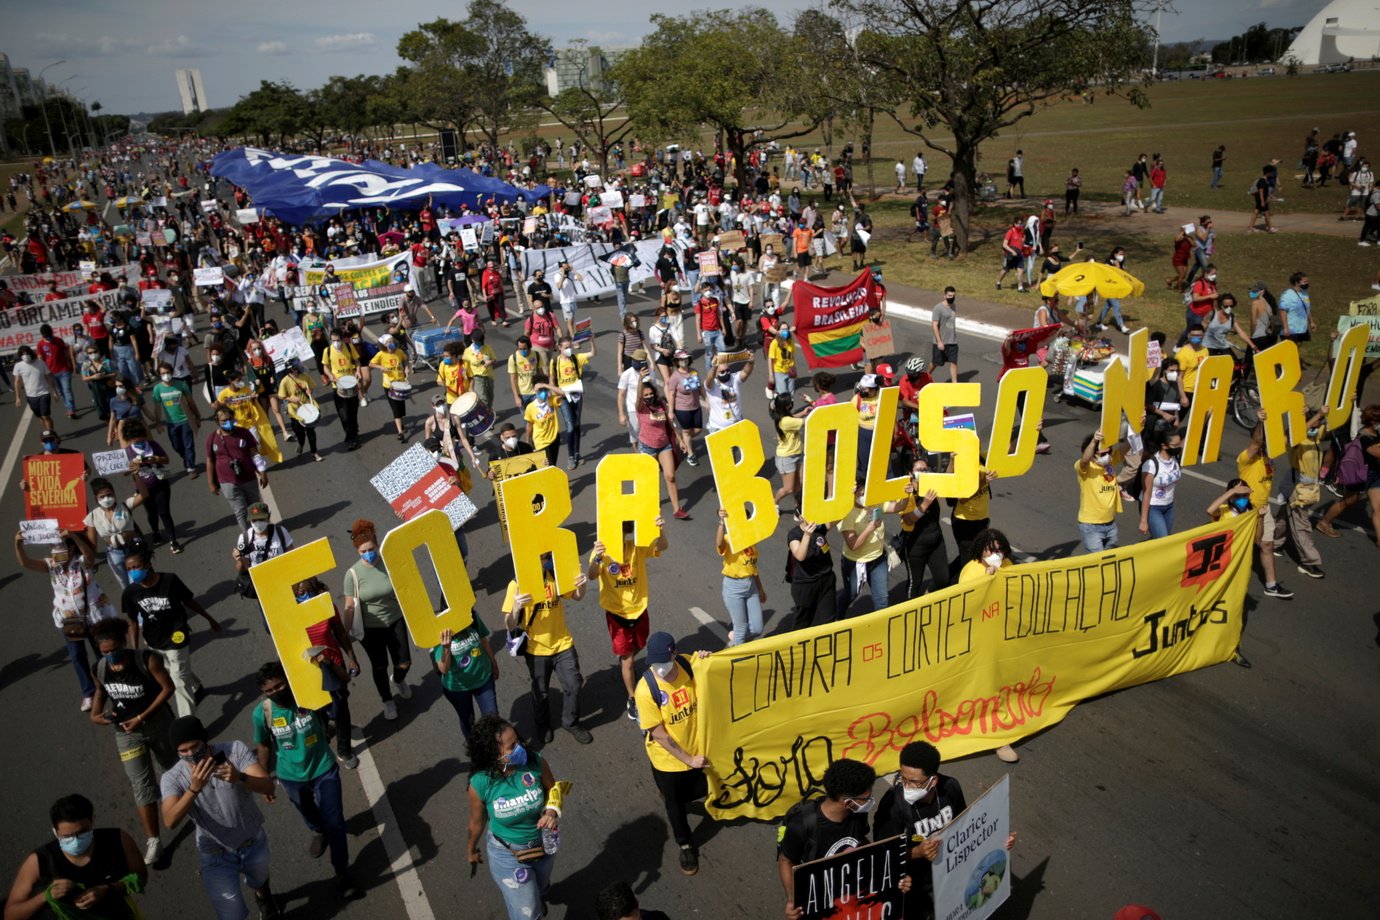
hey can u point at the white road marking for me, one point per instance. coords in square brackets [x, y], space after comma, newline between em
[923, 316]
[12, 455]
[400, 858]
[704, 618]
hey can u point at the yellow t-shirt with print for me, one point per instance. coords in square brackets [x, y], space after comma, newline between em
[782, 355]
[1259, 474]
[867, 411]
[674, 708]
[523, 370]
[974, 569]
[857, 520]
[790, 442]
[623, 587]
[1099, 496]
[480, 363]
[546, 428]
[978, 506]
[742, 564]
[341, 361]
[391, 363]
[544, 620]
[1190, 359]
[244, 403]
[451, 378]
[565, 371]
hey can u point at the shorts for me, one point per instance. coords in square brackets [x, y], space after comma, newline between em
[1012, 262]
[787, 463]
[399, 407]
[802, 259]
[628, 635]
[652, 451]
[1266, 530]
[1262, 208]
[568, 310]
[665, 360]
[942, 356]
[41, 405]
[743, 311]
[690, 419]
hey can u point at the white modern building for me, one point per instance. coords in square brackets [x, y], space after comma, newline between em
[580, 65]
[1342, 30]
[192, 92]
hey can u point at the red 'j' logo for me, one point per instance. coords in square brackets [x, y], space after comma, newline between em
[1206, 558]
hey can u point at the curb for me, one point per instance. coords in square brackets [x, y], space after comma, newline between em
[922, 316]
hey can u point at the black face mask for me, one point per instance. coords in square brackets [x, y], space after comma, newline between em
[283, 698]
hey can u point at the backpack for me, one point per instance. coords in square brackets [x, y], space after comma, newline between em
[244, 585]
[808, 812]
[650, 679]
[1351, 471]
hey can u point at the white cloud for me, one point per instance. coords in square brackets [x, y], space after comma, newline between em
[274, 48]
[181, 46]
[355, 41]
[62, 44]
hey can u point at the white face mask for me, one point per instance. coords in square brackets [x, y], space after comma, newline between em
[862, 808]
[915, 795]
[510, 443]
[992, 560]
[215, 359]
[568, 352]
[166, 378]
[663, 669]
[1212, 277]
[260, 526]
[1104, 459]
[28, 359]
[106, 501]
[440, 410]
[1171, 376]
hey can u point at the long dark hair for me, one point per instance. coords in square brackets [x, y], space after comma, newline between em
[482, 748]
[781, 405]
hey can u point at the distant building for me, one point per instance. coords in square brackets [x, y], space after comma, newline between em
[192, 92]
[1342, 30]
[580, 66]
[17, 89]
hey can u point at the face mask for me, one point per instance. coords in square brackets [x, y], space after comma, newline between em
[517, 757]
[49, 446]
[949, 298]
[541, 311]
[510, 443]
[1103, 459]
[392, 346]
[303, 598]
[1240, 505]
[1313, 433]
[1121, 258]
[1255, 295]
[166, 378]
[915, 795]
[76, 844]
[258, 352]
[370, 556]
[662, 670]
[91, 356]
[1212, 277]
[1173, 452]
[335, 343]
[354, 339]
[120, 391]
[664, 320]
[1195, 340]
[283, 698]
[861, 808]
[196, 757]
[137, 576]
[116, 657]
[227, 425]
[524, 352]
[28, 359]
[725, 378]
[784, 333]
[992, 560]
[141, 445]
[259, 526]
[217, 324]
[215, 359]
[1304, 286]
[106, 501]
[1171, 376]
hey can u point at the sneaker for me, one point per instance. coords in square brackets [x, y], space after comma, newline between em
[999, 285]
[1123, 330]
[363, 401]
[348, 759]
[176, 548]
[770, 393]
[193, 473]
[1240, 660]
[1364, 243]
[1043, 447]
[1335, 489]
[153, 850]
[548, 734]
[1278, 590]
[580, 733]
[571, 463]
[632, 709]
[86, 704]
[1375, 287]
[689, 860]
[402, 690]
[346, 887]
[268, 907]
[1312, 571]
[690, 459]
[316, 846]
[1279, 550]
[681, 514]
[1007, 754]
[1326, 529]
[390, 711]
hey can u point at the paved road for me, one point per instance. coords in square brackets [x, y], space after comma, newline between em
[1226, 792]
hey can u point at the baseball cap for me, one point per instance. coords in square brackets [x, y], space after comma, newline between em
[639, 354]
[385, 338]
[408, 289]
[868, 381]
[1257, 287]
[258, 512]
[661, 649]
[886, 371]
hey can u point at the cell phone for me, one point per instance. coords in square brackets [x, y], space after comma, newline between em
[218, 758]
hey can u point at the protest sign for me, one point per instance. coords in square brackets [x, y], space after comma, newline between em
[1153, 356]
[69, 282]
[600, 216]
[709, 263]
[732, 357]
[972, 873]
[208, 205]
[777, 273]
[509, 468]
[468, 238]
[143, 238]
[86, 267]
[156, 299]
[611, 198]
[732, 239]
[40, 532]
[161, 201]
[637, 200]
[963, 420]
[967, 668]
[110, 462]
[1372, 320]
[21, 325]
[774, 240]
[415, 483]
[858, 884]
[584, 330]
[285, 345]
[529, 226]
[343, 296]
[876, 339]
[829, 320]
[1368, 307]
[247, 216]
[56, 489]
[211, 276]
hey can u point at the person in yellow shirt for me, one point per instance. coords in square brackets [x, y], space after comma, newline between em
[341, 360]
[543, 422]
[523, 367]
[666, 705]
[479, 368]
[781, 357]
[546, 644]
[450, 373]
[1257, 470]
[1190, 357]
[1099, 496]
[1235, 501]
[1305, 459]
[392, 362]
[295, 391]
[241, 398]
[971, 515]
[567, 371]
[623, 593]
[742, 589]
[990, 551]
[790, 443]
[864, 551]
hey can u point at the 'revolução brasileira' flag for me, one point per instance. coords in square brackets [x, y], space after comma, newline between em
[829, 320]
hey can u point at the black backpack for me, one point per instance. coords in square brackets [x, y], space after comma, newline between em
[808, 812]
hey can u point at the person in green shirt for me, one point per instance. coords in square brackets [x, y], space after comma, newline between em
[369, 594]
[174, 407]
[468, 670]
[293, 741]
[511, 791]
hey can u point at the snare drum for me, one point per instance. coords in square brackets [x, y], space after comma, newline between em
[475, 417]
[308, 414]
[346, 386]
[400, 390]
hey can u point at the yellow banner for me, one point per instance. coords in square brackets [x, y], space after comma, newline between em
[380, 273]
[969, 668]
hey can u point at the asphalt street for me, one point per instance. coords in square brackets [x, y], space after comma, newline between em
[1223, 793]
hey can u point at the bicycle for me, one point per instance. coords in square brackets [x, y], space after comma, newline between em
[1244, 398]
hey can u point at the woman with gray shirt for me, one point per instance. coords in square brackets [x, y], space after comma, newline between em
[1220, 325]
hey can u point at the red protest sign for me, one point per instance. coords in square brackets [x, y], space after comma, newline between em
[1020, 346]
[829, 321]
[56, 489]
[432, 490]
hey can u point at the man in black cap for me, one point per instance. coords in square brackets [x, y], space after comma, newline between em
[214, 785]
[666, 704]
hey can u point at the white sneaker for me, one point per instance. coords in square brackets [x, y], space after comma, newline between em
[86, 704]
[363, 401]
[403, 691]
[153, 850]
[390, 711]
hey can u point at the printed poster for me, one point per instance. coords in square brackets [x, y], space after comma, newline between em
[854, 884]
[57, 489]
[972, 873]
[415, 483]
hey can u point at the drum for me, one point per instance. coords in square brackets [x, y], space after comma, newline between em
[399, 390]
[308, 414]
[475, 417]
[346, 386]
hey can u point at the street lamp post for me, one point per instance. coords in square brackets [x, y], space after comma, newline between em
[52, 147]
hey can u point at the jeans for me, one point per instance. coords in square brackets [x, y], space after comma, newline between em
[221, 871]
[570, 410]
[1097, 537]
[1112, 306]
[744, 608]
[126, 365]
[183, 443]
[179, 664]
[1199, 266]
[76, 653]
[319, 803]
[522, 887]
[620, 290]
[876, 583]
[241, 495]
[1216, 176]
[464, 701]
[1161, 520]
[63, 381]
[678, 789]
[713, 344]
[783, 383]
[1157, 199]
[566, 666]
[115, 559]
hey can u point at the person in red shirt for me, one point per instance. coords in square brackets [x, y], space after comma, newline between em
[1157, 180]
[491, 283]
[915, 379]
[58, 355]
[334, 650]
[1011, 244]
[419, 254]
[709, 326]
[96, 285]
[93, 318]
[53, 292]
[1202, 300]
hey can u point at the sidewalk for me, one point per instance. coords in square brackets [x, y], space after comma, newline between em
[977, 317]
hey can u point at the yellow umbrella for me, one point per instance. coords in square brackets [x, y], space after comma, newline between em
[48, 160]
[128, 201]
[1083, 278]
[80, 204]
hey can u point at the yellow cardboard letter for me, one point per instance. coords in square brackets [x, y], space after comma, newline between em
[1207, 416]
[641, 505]
[431, 530]
[538, 503]
[288, 620]
[879, 488]
[1277, 372]
[1346, 371]
[962, 479]
[735, 455]
[826, 491]
[1123, 390]
[1013, 456]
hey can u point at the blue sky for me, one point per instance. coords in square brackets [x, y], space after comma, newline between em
[123, 52]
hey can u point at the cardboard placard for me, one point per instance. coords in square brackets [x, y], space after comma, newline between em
[40, 532]
[612, 198]
[1368, 307]
[110, 462]
[637, 200]
[208, 277]
[617, 503]
[156, 299]
[972, 875]
[774, 240]
[208, 205]
[777, 273]
[86, 267]
[733, 357]
[859, 883]
[876, 339]
[247, 216]
[584, 330]
[415, 483]
[732, 239]
[736, 457]
[507, 468]
[56, 489]
[708, 262]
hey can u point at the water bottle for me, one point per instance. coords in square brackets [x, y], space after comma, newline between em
[550, 840]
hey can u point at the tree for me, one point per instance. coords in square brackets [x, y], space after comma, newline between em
[977, 67]
[712, 68]
[439, 85]
[272, 109]
[588, 108]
